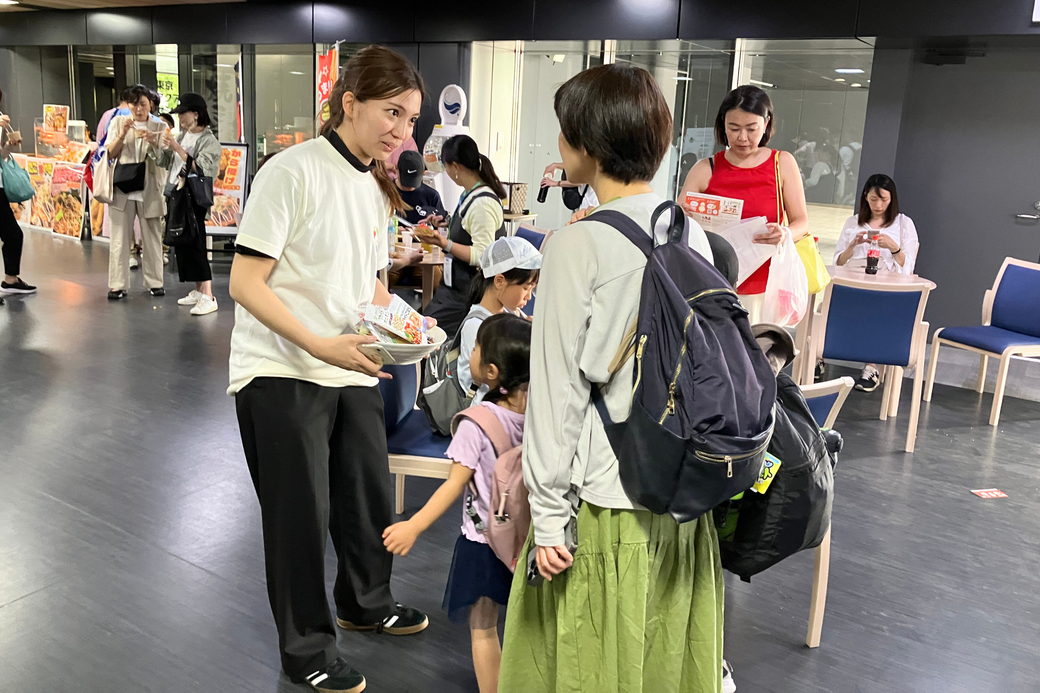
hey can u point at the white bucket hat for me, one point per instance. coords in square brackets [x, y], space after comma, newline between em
[508, 254]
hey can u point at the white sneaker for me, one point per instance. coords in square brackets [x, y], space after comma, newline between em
[728, 686]
[133, 262]
[205, 306]
[191, 299]
[166, 258]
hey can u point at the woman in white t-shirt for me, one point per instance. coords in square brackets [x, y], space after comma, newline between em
[878, 216]
[311, 241]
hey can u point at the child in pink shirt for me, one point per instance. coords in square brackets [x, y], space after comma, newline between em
[479, 582]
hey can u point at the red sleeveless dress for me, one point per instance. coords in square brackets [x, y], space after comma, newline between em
[758, 188]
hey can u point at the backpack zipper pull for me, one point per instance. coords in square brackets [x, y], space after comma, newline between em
[671, 400]
[642, 345]
[729, 467]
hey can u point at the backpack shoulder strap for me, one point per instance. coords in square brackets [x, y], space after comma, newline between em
[627, 227]
[489, 424]
[711, 163]
[473, 198]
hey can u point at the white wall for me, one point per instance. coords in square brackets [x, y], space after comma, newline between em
[493, 106]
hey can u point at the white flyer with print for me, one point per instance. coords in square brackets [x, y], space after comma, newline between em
[750, 255]
[713, 212]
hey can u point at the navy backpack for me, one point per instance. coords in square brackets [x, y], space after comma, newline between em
[703, 391]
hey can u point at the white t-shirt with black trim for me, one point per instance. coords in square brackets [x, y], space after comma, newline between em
[325, 223]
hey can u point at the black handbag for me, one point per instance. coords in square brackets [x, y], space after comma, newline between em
[182, 224]
[129, 178]
[201, 185]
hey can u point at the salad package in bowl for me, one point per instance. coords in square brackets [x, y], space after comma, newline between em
[404, 336]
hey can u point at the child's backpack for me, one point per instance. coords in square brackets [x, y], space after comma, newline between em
[509, 521]
[703, 391]
[794, 512]
[441, 396]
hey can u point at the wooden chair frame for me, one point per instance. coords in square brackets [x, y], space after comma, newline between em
[822, 555]
[1005, 356]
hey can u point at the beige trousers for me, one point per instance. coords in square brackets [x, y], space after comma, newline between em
[123, 239]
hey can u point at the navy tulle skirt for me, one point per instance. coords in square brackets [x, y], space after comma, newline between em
[475, 572]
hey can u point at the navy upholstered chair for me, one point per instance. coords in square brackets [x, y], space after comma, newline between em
[878, 321]
[1010, 327]
[826, 399]
[536, 239]
[414, 449]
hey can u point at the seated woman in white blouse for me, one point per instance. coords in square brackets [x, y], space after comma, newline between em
[878, 216]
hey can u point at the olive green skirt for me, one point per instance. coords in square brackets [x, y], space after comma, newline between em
[640, 611]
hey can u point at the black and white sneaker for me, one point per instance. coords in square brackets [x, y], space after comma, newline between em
[728, 685]
[18, 287]
[338, 677]
[404, 620]
[157, 293]
[116, 295]
[869, 379]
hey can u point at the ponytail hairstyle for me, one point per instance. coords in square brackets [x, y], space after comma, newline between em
[480, 284]
[375, 72]
[505, 341]
[462, 150]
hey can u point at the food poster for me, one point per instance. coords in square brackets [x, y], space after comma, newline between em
[42, 209]
[229, 188]
[55, 118]
[67, 196]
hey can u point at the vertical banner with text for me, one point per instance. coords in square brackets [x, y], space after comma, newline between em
[328, 71]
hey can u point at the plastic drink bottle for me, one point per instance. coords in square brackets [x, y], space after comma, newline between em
[873, 255]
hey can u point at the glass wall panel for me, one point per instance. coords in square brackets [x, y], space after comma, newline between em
[214, 73]
[694, 77]
[547, 65]
[285, 93]
[819, 90]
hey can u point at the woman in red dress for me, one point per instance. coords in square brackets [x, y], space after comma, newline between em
[747, 170]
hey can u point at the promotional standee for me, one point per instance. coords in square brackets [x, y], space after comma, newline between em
[452, 106]
[229, 189]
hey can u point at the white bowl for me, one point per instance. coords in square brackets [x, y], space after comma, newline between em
[404, 354]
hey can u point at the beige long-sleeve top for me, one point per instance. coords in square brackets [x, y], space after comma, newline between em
[588, 296]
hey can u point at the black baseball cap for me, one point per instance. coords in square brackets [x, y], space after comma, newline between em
[191, 102]
[410, 169]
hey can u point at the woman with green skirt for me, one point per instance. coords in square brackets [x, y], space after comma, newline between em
[637, 607]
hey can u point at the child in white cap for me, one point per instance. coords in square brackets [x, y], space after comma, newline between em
[508, 275]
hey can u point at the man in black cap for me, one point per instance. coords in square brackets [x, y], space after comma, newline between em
[424, 200]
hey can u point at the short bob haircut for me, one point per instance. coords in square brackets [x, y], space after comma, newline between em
[879, 181]
[133, 94]
[618, 116]
[750, 100]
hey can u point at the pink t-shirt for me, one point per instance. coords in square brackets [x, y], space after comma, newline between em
[473, 450]
[407, 146]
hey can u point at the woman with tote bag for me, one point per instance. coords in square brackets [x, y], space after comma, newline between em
[199, 143]
[133, 143]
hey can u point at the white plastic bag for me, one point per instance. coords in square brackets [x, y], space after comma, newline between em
[103, 180]
[787, 290]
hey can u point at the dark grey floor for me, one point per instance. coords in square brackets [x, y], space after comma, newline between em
[130, 548]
